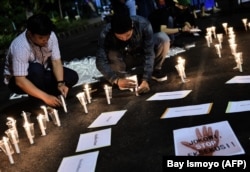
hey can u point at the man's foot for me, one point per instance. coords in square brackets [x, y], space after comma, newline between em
[159, 76]
[205, 14]
[215, 9]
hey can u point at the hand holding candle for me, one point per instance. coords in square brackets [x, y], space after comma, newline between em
[134, 78]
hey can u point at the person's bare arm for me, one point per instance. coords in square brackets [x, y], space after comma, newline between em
[58, 72]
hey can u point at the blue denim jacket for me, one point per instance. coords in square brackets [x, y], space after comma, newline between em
[141, 43]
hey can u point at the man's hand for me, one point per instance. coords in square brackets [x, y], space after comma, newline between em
[126, 83]
[63, 89]
[52, 101]
[187, 27]
[144, 87]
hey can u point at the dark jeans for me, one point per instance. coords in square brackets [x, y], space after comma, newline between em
[45, 79]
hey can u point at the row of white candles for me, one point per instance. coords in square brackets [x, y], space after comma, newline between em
[230, 32]
[12, 132]
[85, 96]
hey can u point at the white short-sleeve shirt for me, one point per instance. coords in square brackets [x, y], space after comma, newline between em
[22, 52]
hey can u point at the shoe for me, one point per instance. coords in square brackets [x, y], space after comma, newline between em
[215, 9]
[205, 15]
[159, 76]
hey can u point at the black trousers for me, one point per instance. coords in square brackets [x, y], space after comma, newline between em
[44, 79]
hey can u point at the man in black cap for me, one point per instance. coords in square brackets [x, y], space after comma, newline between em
[128, 46]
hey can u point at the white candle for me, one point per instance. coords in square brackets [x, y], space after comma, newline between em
[29, 128]
[13, 138]
[63, 103]
[230, 30]
[245, 23]
[220, 39]
[217, 47]
[45, 112]
[87, 92]
[238, 59]
[106, 88]
[11, 123]
[8, 149]
[181, 69]
[208, 42]
[57, 118]
[81, 98]
[213, 29]
[25, 117]
[233, 48]
[225, 27]
[40, 118]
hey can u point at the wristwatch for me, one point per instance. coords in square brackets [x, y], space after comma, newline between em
[60, 83]
[180, 29]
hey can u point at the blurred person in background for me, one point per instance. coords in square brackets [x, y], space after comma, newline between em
[174, 19]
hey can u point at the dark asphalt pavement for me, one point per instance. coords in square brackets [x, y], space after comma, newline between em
[140, 139]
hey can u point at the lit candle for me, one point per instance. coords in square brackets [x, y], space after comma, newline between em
[45, 112]
[13, 138]
[233, 48]
[82, 99]
[208, 42]
[42, 123]
[29, 128]
[108, 90]
[11, 123]
[24, 115]
[217, 47]
[87, 92]
[213, 29]
[134, 78]
[8, 149]
[181, 69]
[57, 120]
[238, 59]
[220, 39]
[230, 30]
[245, 23]
[225, 27]
[63, 103]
